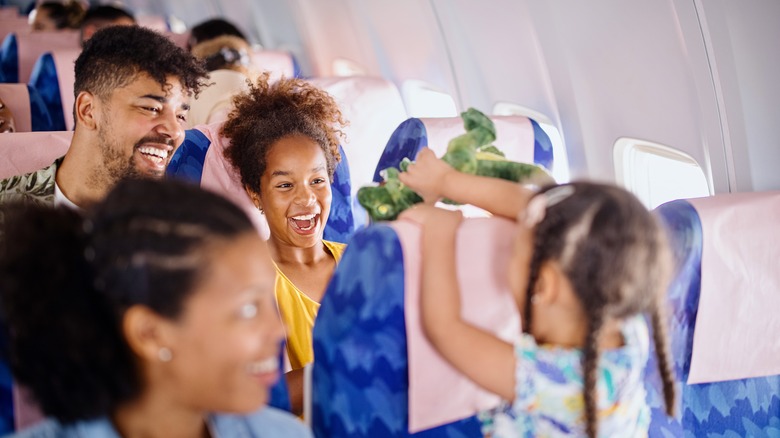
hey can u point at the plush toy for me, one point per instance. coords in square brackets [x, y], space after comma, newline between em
[471, 152]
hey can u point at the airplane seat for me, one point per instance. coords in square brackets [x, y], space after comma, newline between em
[374, 108]
[29, 110]
[20, 153]
[20, 51]
[9, 59]
[53, 76]
[155, 22]
[376, 375]
[723, 302]
[24, 152]
[278, 63]
[519, 137]
[196, 161]
[9, 25]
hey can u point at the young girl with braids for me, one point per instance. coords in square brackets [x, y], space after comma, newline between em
[589, 260]
[152, 317]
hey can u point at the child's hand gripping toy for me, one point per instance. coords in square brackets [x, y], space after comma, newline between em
[471, 152]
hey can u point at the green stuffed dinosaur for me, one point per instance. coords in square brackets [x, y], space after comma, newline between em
[471, 152]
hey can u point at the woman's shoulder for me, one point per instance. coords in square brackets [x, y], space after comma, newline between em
[265, 422]
[335, 248]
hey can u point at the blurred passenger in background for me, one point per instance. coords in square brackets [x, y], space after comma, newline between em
[98, 17]
[227, 58]
[52, 15]
[211, 29]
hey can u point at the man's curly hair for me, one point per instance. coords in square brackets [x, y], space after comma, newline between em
[115, 55]
[268, 112]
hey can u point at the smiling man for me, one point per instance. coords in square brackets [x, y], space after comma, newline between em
[133, 88]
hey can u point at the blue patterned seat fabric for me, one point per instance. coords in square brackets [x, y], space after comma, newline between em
[44, 79]
[735, 408]
[360, 376]
[187, 163]
[39, 112]
[9, 59]
[411, 136]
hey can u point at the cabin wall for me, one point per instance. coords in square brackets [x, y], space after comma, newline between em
[598, 70]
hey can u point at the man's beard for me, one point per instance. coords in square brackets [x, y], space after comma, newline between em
[116, 166]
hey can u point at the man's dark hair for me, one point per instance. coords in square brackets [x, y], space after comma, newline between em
[115, 55]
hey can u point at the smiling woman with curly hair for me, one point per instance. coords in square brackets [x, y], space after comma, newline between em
[284, 144]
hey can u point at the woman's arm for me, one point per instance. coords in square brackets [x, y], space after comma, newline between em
[482, 357]
[434, 179]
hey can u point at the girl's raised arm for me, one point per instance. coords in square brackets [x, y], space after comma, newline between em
[434, 179]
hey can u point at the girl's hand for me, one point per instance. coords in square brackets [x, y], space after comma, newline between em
[426, 175]
[428, 215]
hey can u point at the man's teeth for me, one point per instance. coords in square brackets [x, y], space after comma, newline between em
[306, 217]
[269, 365]
[155, 154]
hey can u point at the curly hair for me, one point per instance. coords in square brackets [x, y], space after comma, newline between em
[115, 55]
[144, 244]
[268, 112]
[617, 259]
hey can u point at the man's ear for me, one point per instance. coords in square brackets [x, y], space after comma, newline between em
[85, 110]
[147, 332]
[254, 197]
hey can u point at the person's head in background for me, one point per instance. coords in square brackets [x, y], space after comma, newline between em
[158, 306]
[211, 29]
[98, 17]
[7, 123]
[226, 52]
[133, 87]
[52, 15]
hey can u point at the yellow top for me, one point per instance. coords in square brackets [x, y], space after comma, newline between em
[299, 311]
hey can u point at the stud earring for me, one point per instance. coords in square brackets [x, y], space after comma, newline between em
[164, 354]
[535, 299]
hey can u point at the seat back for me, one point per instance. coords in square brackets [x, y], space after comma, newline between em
[9, 25]
[53, 76]
[29, 110]
[520, 138]
[726, 365]
[22, 50]
[197, 161]
[279, 63]
[374, 372]
[24, 152]
[374, 108]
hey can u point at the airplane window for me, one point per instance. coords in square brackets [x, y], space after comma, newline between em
[560, 169]
[343, 67]
[656, 173]
[424, 100]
